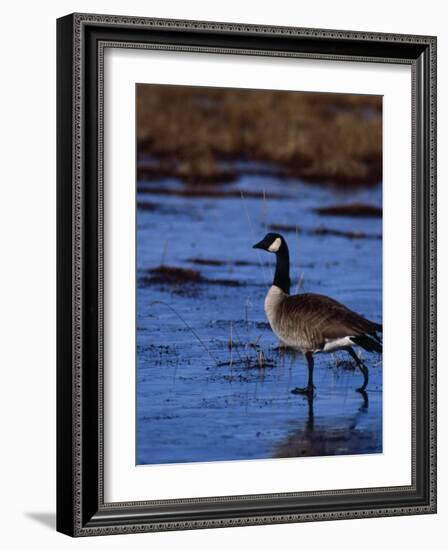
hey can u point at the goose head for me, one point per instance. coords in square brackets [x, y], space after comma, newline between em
[272, 242]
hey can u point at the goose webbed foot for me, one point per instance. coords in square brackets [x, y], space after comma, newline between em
[365, 398]
[362, 389]
[307, 390]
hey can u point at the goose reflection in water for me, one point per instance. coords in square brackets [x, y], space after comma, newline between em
[324, 437]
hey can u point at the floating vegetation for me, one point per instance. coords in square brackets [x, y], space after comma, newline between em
[182, 279]
[174, 275]
[203, 261]
[212, 262]
[249, 356]
[323, 231]
[149, 206]
[343, 364]
[320, 231]
[249, 363]
[354, 210]
[207, 192]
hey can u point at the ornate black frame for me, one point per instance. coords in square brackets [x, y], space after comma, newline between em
[81, 39]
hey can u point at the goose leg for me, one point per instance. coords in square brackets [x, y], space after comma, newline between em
[309, 389]
[362, 368]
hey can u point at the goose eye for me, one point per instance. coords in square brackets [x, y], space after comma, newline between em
[275, 245]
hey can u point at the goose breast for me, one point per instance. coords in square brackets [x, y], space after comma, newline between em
[290, 329]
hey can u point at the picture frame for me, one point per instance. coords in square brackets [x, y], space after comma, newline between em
[81, 506]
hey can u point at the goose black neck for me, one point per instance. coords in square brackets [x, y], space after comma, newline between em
[281, 277]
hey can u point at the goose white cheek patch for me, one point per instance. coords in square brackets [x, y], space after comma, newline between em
[275, 245]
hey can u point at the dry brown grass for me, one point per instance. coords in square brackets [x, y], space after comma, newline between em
[189, 131]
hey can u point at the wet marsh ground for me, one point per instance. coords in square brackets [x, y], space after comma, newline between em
[212, 381]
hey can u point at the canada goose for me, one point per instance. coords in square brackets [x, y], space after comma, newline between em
[312, 322]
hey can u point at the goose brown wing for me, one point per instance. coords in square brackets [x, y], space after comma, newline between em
[325, 318]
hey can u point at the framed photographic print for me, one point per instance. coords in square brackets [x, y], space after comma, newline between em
[246, 274]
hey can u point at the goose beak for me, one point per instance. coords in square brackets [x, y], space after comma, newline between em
[261, 245]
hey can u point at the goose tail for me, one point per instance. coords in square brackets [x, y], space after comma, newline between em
[369, 343]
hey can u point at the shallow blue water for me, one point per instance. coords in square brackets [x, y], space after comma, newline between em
[194, 407]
